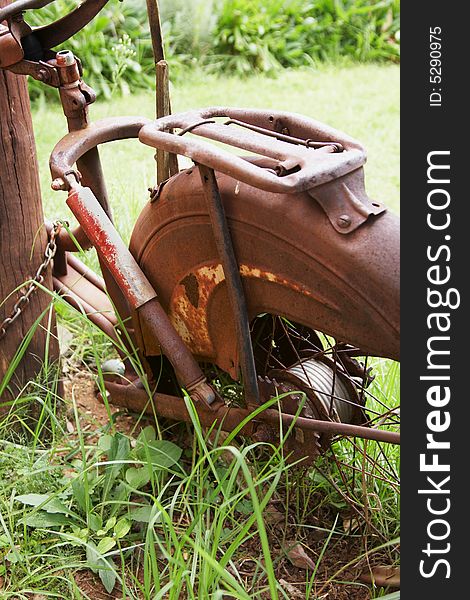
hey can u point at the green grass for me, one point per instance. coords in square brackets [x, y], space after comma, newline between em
[153, 516]
[227, 36]
[174, 512]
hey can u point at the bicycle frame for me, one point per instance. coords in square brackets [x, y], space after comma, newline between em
[307, 163]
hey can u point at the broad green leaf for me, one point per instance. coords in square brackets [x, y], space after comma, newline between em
[14, 557]
[92, 556]
[120, 449]
[143, 514]
[245, 507]
[148, 434]
[160, 453]
[95, 522]
[119, 495]
[79, 493]
[110, 523]
[108, 577]
[122, 528]
[137, 478]
[42, 519]
[81, 533]
[52, 504]
[104, 443]
[105, 545]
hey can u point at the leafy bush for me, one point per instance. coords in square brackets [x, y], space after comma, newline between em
[226, 35]
[115, 48]
[189, 25]
[260, 35]
[94, 509]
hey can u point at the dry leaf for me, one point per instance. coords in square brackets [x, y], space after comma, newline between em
[272, 515]
[382, 576]
[65, 339]
[291, 590]
[350, 524]
[298, 557]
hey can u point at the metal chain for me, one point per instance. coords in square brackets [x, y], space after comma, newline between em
[23, 300]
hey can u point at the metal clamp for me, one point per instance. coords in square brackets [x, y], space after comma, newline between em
[26, 50]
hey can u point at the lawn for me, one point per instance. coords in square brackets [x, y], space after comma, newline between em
[110, 500]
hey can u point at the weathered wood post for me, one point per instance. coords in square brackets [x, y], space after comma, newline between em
[23, 237]
[167, 164]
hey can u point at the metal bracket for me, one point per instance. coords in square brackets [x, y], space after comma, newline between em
[41, 71]
[345, 201]
[233, 280]
[26, 51]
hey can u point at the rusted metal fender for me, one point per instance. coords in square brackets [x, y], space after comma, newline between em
[292, 261]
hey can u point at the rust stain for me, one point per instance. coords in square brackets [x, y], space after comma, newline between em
[191, 286]
[190, 318]
[188, 310]
[247, 271]
[92, 224]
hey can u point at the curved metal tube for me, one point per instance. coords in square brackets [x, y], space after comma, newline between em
[61, 30]
[21, 5]
[77, 143]
[172, 407]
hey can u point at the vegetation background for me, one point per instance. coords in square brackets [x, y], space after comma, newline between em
[242, 37]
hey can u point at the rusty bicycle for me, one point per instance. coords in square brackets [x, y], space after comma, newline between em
[265, 259]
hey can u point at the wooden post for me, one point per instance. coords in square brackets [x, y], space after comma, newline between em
[167, 164]
[23, 236]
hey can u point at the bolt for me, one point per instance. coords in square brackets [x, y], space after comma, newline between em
[154, 193]
[44, 75]
[65, 58]
[344, 221]
[58, 184]
[202, 392]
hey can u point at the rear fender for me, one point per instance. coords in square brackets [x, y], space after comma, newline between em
[292, 261]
